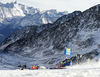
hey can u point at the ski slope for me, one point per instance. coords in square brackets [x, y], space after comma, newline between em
[88, 69]
[87, 72]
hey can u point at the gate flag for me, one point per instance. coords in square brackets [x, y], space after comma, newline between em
[67, 51]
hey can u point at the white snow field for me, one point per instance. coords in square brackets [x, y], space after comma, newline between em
[88, 69]
[87, 72]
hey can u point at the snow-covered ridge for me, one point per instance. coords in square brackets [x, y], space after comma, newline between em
[24, 8]
[15, 16]
[14, 9]
[32, 30]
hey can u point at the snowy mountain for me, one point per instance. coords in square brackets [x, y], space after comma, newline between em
[15, 16]
[13, 11]
[46, 46]
[34, 30]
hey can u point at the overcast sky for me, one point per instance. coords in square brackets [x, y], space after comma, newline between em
[60, 5]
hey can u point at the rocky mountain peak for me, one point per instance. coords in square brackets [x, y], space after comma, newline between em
[15, 16]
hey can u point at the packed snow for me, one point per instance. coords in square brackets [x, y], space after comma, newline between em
[91, 70]
[51, 73]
